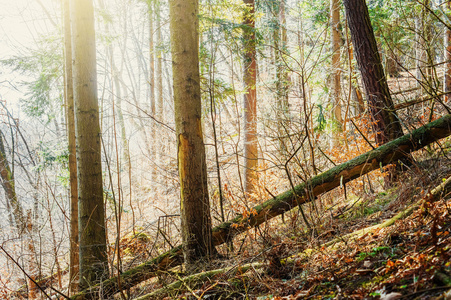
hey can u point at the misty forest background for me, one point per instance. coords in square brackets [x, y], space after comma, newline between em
[311, 115]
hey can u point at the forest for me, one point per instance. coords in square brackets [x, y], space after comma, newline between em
[225, 149]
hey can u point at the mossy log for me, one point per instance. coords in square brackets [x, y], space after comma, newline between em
[386, 154]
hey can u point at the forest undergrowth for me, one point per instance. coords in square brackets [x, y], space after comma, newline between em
[284, 259]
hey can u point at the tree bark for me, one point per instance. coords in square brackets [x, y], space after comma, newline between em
[162, 141]
[423, 51]
[155, 138]
[386, 124]
[194, 202]
[91, 215]
[447, 54]
[250, 98]
[280, 51]
[352, 169]
[70, 117]
[336, 64]
[7, 182]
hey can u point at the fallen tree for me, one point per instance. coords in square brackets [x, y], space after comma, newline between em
[302, 193]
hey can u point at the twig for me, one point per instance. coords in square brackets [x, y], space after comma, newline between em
[55, 290]
[188, 287]
[364, 137]
[325, 155]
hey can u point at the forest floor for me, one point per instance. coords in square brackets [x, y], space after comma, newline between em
[410, 259]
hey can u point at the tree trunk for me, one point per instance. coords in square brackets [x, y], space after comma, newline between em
[162, 141]
[7, 181]
[305, 192]
[155, 138]
[250, 98]
[117, 97]
[91, 215]
[423, 52]
[70, 117]
[194, 203]
[336, 64]
[386, 124]
[447, 54]
[280, 51]
[22, 223]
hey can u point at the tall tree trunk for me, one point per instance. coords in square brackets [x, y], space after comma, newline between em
[431, 83]
[336, 64]
[91, 215]
[447, 52]
[420, 56]
[250, 98]
[154, 138]
[161, 149]
[386, 124]
[280, 51]
[195, 206]
[424, 53]
[117, 92]
[70, 116]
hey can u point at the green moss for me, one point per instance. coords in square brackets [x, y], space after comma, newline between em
[373, 282]
[375, 251]
[367, 208]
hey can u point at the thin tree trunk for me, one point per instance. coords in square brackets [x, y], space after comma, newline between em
[155, 138]
[7, 181]
[421, 59]
[282, 72]
[70, 115]
[250, 99]
[280, 52]
[447, 54]
[336, 64]
[162, 141]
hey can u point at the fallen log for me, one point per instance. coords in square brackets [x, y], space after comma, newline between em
[345, 172]
[302, 193]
